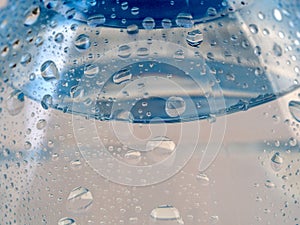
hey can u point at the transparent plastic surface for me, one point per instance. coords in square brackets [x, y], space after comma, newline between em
[149, 112]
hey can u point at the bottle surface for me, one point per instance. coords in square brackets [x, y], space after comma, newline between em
[149, 112]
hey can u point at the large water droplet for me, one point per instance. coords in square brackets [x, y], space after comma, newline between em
[79, 200]
[165, 212]
[90, 70]
[66, 221]
[82, 42]
[294, 107]
[122, 76]
[194, 38]
[175, 106]
[133, 157]
[276, 161]
[148, 23]
[15, 102]
[32, 16]
[41, 124]
[47, 101]
[96, 20]
[184, 20]
[166, 23]
[132, 29]
[25, 59]
[162, 145]
[49, 70]
[124, 51]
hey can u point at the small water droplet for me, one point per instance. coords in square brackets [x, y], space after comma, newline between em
[135, 11]
[66, 221]
[38, 41]
[49, 70]
[165, 212]
[47, 101]
[79, 200]
[124, 51]
[253, 28]
[214, 219]
[132, 29]
[143, 51]
[27, 145]
[294, 107]
[124, 5]
[148, 23]
[76, 91]
[25, 59]
[179, 55]
[194, 38]
[90, 70]
[70, 13]
[82, 42]
[122, 76]
[41, 124]
[161, 145]
[32, 16]
[270, 184]
[257, 50]
[202, 178]
[277, 14]
[96, 20]
[4, 51]
[175, 106]
[133, 157]
[166, 23]
[211, 11]
[59, 37]
[184, 20]
[76, 164]
[15, 102]
[277, 50]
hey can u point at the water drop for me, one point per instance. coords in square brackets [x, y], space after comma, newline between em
[257, 50]
[132, 29]
[32, 16]
[133, 157]
[96, 20]
[70, 13]
[135, 11]
[76, 164]
[175, 106]
[41, 124]
[82, 42]
[184, 20]
[166, 23]
[194, 38]
[148, 23]
[202, 178]
[124, 51]
[214, 219]
[79, 200]
[90, 70]
[211, 11]
[27, 145]
[66, 221]
[142, 52]
[294, 107]
[277, 15]
[277, 50]
[59, 38]
[38, 41]
[253, 28]
[47, 101]
[76, 91]
[4, 51]
[25, 59]
[49, 70]
[161, 145]
[270, 184]
[91, 2]
[179, 55]
[15, 102]
[122, 76]
[165, 212]
[124, 5]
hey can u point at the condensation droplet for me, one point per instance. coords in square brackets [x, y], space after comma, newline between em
[133, 157]
[96, 20]
[15, 102]
[47, 101]
[124, 51]
[49, 70]
[294, 107]
[165, 212]
[277, 50]
[148, 23]
[25, 59]
[253, 28]
[132, 29]
[90, 70]
[277, 14]
[135, 11]
[175, 106]
[166, 23]
[202, 178]
[59, 37]
[82, 42]
[122, 76]
[184, 20]
[79, 200]
[162, 145]
[66, 221]
[194, 38]
[32, 16]
[270, 184]
[41, 124]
